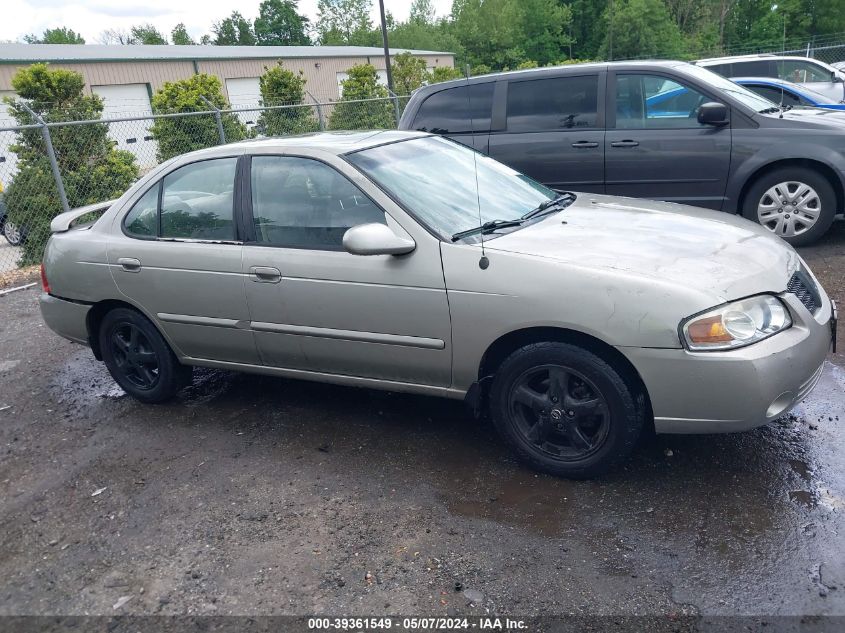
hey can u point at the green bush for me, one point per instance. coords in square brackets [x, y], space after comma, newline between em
[351, 113]
[280, 86]
[180, 135]
[92, 169]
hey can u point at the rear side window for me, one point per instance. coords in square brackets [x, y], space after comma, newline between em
[457, 110]
[559, 103]
[756, 68]
[197, 202]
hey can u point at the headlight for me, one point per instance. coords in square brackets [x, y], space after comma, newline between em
[736, 324]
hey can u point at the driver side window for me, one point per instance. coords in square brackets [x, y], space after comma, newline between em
[654, 102]
[303, 203]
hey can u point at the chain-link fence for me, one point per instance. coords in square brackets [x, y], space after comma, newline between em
[52, 166]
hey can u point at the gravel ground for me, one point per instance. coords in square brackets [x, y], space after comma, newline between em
[259, 496]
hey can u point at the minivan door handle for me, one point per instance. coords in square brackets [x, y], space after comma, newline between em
[130, 264]
[626, 143]
[265, 274]
[585, 144]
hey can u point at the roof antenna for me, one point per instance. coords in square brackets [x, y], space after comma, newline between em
[483, 263]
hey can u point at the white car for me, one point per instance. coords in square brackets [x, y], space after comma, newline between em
[811, 73]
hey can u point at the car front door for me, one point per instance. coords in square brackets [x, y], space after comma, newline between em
[655, 146]
[178, 258]
[555, 131]
[318, 308]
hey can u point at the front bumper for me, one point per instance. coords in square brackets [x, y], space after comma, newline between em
[65, 318]
[736, 390]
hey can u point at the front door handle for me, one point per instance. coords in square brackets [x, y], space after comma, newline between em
[626, 143]
[585, 145]
[265, 274]
[130, 264]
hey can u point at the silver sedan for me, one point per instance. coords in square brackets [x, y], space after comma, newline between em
[406, 262]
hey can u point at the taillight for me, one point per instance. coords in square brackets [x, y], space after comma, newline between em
[45, 285]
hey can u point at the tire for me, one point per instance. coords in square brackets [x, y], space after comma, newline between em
[555, 443]
[782, 217]
[138, 357]
[13, 234]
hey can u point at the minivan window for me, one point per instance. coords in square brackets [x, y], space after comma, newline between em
[197, 201]
[457, 110]
[652, 101]
[801, 72]
[556, 103]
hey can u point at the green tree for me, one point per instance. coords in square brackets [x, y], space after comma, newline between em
[351, 113]
[280, 86]
[443, 73]
[179, 35]
[422, 12]
[92, 169]
[641, 28]
[185, 134]
[346, 22]
[147, 34]
[279, 24]
[233, 31]
[409, 73]
[61, 35]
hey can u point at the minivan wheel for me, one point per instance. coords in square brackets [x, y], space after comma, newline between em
[794, 203]
[564, 410]
[138, 357]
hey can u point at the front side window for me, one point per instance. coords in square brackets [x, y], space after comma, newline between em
[457, 110]
[651, 101]
[303, 203]
[197, 201]
[435, 179]
[558, 103]
[801, 72]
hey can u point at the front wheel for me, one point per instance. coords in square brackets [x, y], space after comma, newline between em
[138, 357]
[794, 203]
[564, 410]
[12, 233]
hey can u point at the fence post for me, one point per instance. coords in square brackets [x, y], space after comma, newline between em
[219, 117]
[51, 154]
[320, 119]
[395, 98]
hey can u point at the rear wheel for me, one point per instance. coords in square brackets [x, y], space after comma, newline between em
[794, 203]
[564, 410]
[12, 233]
[138, 357]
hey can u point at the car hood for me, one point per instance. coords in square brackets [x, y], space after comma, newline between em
[716, 253]
[822, 116]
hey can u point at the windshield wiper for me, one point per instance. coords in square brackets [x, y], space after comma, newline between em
[560, 202]
[771, 110]
[487, 227]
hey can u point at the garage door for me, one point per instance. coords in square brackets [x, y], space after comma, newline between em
[8, 159]
[130, 100]
[244, 92]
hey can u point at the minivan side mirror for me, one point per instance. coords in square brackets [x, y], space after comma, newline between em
[713, 113]
[375, 239]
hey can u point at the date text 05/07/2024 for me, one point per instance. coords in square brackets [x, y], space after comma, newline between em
[417, 624]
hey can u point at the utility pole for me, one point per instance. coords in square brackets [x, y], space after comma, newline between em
[610, 34]
[386, 47]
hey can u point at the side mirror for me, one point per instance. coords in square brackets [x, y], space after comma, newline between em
[375, 239]
[713, 113]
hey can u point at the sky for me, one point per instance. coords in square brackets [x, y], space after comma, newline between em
[92, 17]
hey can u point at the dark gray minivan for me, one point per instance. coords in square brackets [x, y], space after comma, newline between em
[663, 130]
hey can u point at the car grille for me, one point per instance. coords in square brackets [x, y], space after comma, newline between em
[803, 287]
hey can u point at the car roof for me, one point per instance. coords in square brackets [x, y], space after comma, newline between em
[327, 142]
[751, 58]
[529, 73]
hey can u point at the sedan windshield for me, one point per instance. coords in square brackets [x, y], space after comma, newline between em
[443, 184]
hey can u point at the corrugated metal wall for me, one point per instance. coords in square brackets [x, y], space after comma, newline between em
[321, 72]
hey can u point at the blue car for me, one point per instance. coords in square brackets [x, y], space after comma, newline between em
[788, 93]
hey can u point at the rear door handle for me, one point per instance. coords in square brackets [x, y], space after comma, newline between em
[265, 274]
[624, 144]
[584, 144]
[130, 264]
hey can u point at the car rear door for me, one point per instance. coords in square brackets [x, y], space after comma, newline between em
[177, 256]
[318, 308]
[656, 148]
[554, 130]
